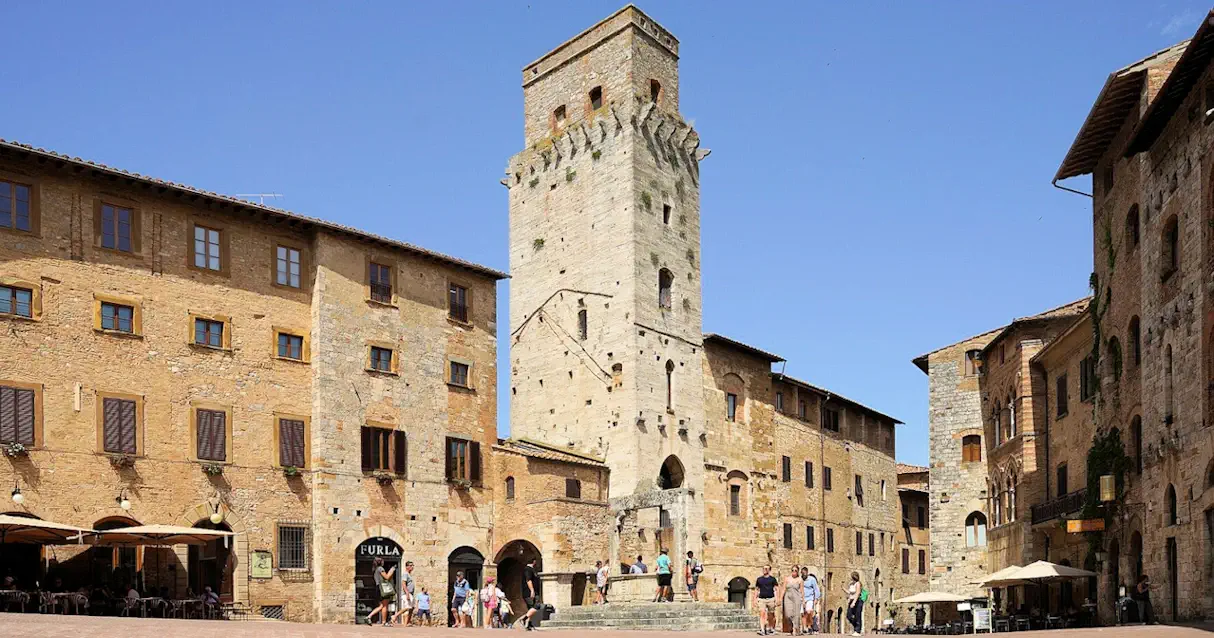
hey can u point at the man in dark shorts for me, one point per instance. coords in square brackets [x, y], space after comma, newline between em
[766, 601]
[531, 595]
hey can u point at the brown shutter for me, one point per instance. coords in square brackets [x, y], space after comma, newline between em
[474, 462]
[368, 457]
[399, 452]
[219, 436]
[25, 417]
[450, 461]
[202, 430]
[8, 414]
[111, 432]
[291, 443]
[299, 447]
[128, 425]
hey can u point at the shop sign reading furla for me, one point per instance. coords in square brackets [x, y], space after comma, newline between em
[378, 548]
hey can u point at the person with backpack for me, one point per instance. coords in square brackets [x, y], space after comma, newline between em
[491, 596]
[856, 596]
[692, 569]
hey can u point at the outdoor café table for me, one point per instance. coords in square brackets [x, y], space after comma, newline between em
[144, 602]
[72, 598]
[10, 596]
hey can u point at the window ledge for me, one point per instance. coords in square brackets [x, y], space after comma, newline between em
[457, 322]
[380, 304]
[1061, 416]
[461, 388]
[130, 254]
[217, 273]
[203, 346]
[210, 462]
[16, 317]
[386, 373]
[290, 360]
[118, 333]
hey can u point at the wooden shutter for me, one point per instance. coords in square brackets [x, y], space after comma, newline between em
[127, 425]
[202, 434]
[8, 415]
[450, 471]
[368, 454]
[291, 445]
[474, 462]
[399, 452]
[25, 417]
[111, 433]
[212, 435]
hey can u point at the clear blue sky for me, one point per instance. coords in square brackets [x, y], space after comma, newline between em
[879, 184]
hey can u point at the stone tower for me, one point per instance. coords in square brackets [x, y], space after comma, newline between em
[606, 343]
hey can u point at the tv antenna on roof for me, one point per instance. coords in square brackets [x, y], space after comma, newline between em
[261, 197]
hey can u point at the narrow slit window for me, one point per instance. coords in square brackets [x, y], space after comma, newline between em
[596, 98]
[655, 91]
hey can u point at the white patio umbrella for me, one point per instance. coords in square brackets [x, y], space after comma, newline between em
[159, 535]
[1001, 578]
[1043, 570]
[928, 597]
[20, 529]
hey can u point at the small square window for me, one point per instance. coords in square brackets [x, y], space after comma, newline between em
[117, 317]
[287, 269]
[294, 543]
[290, 346]
[381, 359]
[459, 374]
[596, 98]
[558, 115]
[16, 301]
[208, 332]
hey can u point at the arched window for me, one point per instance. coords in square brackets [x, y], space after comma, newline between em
[1131, 228]
[1135, 340]
[671, 474]
[1011, 416]
[1170, 249]
[975, 530]
[997, 499]
[971, 448]
[1011, 498]
[997, 417]
[1115, 358]
[973, 362]
[735, 397]
[509, 488]
[669, 384]
[737, 493]
[665, 283]
[1173, 515]
[1136, 436]
[1167, 385]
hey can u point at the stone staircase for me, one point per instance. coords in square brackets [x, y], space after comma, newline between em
[676, 616]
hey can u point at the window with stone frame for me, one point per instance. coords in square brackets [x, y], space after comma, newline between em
[463, 460]
[785, 469]
[117, 317]
[595, 97]
[872, 544]
[287, 267]
[1087, 379]
[809, 537]
[459, 374]
[120, 425]
[211, 434]
[779, 402]
[922, 561]
[859, 543]
[208, 332]
[905, 560]
[208, 247]
[858, 490]
[292, 442]
[16, 206]
[16, 301]
[830, 540]
[116, 226]
[294, 546]
[788, 536]
[380, 282]
[735, 500]
[665, 289]
[381, 359]
[826, 478]
[731, 406]
[573, 488]
[384, 449]
[971, 448]
[809, 474]
[830, 419]
[509, 488]
[975, 530]
[457, 302]
[290, 346]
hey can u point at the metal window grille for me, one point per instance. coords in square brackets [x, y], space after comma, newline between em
[294, 545]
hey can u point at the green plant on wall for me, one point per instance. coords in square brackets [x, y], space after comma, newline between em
[538, 243]
[646, 199]
[534, 181]
[1106, 456]
[570, 174]
[596, 154]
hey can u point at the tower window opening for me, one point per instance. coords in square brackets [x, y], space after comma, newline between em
[655, 91]
[558, 115]
[596, 98]
[665, 283]
[666, 213]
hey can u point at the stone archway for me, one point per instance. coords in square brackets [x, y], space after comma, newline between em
[469, 562]
[671, 475]
[238, 552]
[510, 560]
[738, 589]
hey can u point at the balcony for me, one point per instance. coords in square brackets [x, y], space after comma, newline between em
[1060, 506]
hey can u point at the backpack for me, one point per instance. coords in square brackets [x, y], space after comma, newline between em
[697, 567]
[863, 595]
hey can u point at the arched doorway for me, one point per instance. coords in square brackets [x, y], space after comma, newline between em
[738, 588]
[116, 567]
[366, 594]
[671, 475]
[213, 564]
[22, 561]
[469, 561]
[1135, 557]
[511, 560]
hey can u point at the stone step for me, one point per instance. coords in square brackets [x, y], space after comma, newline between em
[649, 619]
[609, 614]
[645, 607]
[740, 625]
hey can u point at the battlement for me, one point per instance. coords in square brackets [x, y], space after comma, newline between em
[628, 17]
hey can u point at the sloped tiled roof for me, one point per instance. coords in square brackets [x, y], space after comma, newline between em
[1072, 309]
[183, 189]
[732, 343]
[834, 396]
[904, 468]
[1184, 76]
[921, 360]
[537, 450]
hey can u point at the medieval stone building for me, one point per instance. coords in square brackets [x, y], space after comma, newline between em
[178, 356]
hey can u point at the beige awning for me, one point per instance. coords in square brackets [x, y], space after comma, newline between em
[158, 535]
[19, 529]
[1000, 576]
[1045, 570]
[926, 597]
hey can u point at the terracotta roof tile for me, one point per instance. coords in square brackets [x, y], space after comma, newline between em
[535, 449]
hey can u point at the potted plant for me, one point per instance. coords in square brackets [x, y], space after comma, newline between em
[213, 469]
[290, 471]
[461, 484]
[14, 450]
[122, 460]
[383, 476]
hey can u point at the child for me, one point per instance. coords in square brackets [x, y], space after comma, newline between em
[423, 608]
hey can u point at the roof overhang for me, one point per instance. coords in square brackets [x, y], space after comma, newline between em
[1188, 70]
[833, 396]
[710, 337]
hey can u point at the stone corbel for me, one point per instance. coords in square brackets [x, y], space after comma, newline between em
[646, 111]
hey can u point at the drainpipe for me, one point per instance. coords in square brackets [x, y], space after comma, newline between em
[1054, 183]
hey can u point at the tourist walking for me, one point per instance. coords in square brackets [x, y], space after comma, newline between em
[794, 600]
[1146, 613]
[491, 597]
[423, 608]
[691, 574]
[663, 592]
[855, 604]
[531, 595]
[765, 600]
[459, 595]
[600, 582]
[812, 595]
[385, 589]
[407, 599]
[639, 567]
